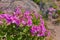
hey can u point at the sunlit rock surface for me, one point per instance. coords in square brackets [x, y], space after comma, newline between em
[12, 4]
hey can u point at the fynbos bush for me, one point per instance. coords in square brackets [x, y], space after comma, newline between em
[20, 25]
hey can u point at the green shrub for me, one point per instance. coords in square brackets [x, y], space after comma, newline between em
[22, 26]
[1, 12]
[55, 6]
[37, 1]
[58, 11]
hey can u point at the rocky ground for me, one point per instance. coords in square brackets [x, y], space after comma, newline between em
[55, 30]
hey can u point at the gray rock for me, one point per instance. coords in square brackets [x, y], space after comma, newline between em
[4, 5]
[29, 5]
[7, 0]
[12, 4]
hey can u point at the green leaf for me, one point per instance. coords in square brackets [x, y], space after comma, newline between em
[36, 21]
[2, 34]
[26, 29]
[58, 11]
[1, 12]
[41, 38]
[9, 37]
[37, 1]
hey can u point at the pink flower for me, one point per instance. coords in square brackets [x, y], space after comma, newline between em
[23, 22]
[40, 34]
[34, 29]
[27, 12]
[51, 9]
[50, 13]
[17, 11]
[1, 16]
[29, 22]
[43, 27]
[1, 22]
[37, 30]
[42, 22]
[28, 17]
[42, 31]
[15, 20]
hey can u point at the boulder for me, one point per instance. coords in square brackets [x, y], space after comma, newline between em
[12, 4]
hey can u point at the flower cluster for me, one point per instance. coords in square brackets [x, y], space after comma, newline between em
[51, 10]
[31, 19]
[39, 30]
